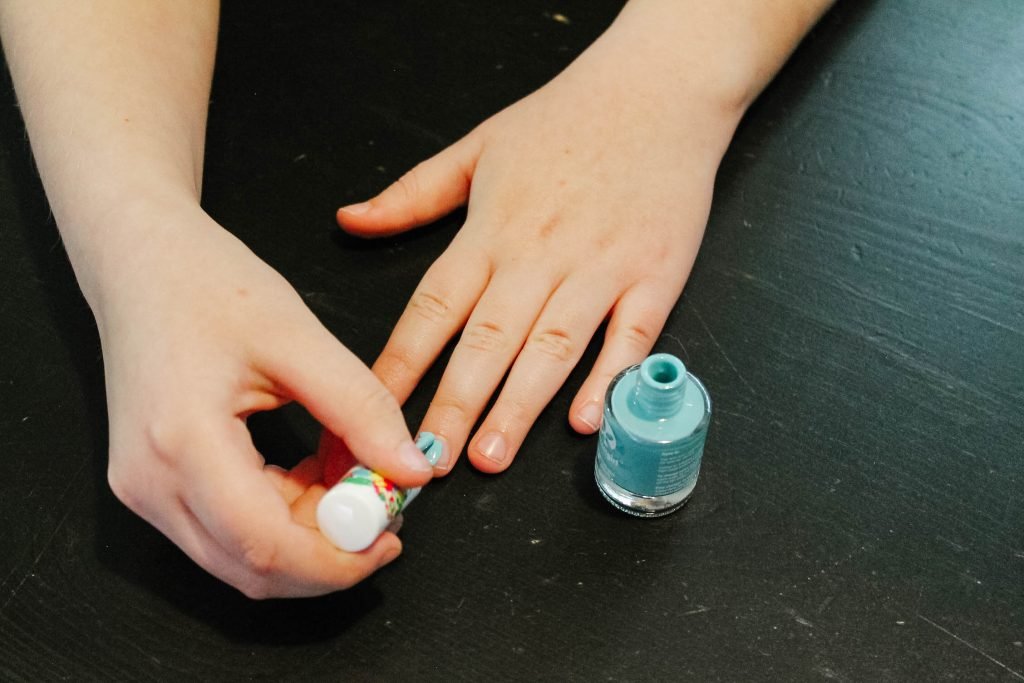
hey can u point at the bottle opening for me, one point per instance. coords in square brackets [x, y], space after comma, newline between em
[660, 385]
[664, 372]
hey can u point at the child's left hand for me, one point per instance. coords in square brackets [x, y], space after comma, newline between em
[587, 198]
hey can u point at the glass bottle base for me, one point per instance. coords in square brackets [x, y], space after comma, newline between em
[639, 505]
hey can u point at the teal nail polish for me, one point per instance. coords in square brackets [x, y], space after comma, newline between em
[431, 446]
[656, 418]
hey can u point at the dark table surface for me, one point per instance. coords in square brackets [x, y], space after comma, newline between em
[856, 311]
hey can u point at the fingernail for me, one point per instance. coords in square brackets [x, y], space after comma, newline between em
[444, 460]
[413, 459]
[492, 446]
[590, 415]
[357, 209]
[435, 448]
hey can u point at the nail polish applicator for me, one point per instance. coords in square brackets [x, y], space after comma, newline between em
[362, 505]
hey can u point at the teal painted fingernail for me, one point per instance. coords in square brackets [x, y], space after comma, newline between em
[433, 447]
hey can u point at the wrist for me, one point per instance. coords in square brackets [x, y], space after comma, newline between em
[111, 244]
[725, 53]
[623, 79]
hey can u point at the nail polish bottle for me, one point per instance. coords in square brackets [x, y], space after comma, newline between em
[362, 505]
[656, 417]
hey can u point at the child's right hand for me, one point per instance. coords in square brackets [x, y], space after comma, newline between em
[197, 334]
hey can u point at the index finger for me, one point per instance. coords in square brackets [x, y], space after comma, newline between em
[314, 368]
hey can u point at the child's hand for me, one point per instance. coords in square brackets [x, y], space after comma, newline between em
[198, 334]
[587, 198]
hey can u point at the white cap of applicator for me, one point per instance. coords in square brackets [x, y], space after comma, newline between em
[362, 505]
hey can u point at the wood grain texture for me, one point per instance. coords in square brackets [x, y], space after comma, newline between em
[856, 312]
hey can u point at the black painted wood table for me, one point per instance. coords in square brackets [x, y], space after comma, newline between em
[856, 311]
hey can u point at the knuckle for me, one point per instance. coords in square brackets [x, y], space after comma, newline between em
[408, 190]
[409, 184]
[520, 409]
[380, 401]
[123, 488]
[256, 589]
[349, 578]
[394, 362]
[167, 437]
[555, 343]
[639, 336]
[485, 336]
[431, 306]
[259, 556]
[454, 406]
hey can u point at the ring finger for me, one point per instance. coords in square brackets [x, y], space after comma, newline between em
[493, 336]
[554, 346]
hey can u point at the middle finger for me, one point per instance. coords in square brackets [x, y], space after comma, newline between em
[493, 336]
[555, 345]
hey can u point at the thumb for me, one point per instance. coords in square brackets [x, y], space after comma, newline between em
[430, 190]
[351, 403]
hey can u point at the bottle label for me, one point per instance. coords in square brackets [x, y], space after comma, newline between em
[678, 467]
[393, 497]
[648, 469]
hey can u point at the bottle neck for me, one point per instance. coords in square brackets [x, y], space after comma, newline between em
[660, 385]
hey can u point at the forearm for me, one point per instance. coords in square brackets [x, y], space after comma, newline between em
[728, 50]
[114, 95]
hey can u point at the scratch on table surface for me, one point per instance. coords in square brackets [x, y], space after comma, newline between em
[739, 415]
[799, 619]
[677, 340]
[829, 673]
[72, 482]
[720, 349]
[397, 118]
[952, 544]
[981, 652]
[874, 299]
[988, 319]
[701, 609]
[35, 561]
